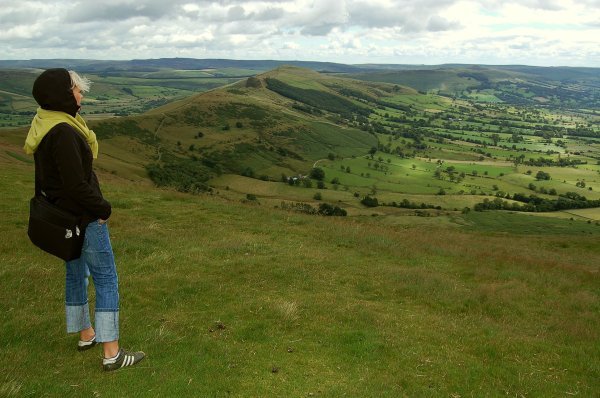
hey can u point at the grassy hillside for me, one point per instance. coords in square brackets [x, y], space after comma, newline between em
[570, 88]
[245, 128]
[113, 92]
[233, 299]
[417, 154]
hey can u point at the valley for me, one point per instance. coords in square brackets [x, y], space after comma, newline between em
[314, 230]
[402, 151]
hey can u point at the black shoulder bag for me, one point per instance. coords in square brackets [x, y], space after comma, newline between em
[52, 229]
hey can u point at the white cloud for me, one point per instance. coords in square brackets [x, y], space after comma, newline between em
[543, 32]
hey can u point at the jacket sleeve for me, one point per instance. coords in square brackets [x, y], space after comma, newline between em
[69, 161]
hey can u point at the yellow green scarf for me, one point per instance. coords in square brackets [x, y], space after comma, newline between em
[44, 120]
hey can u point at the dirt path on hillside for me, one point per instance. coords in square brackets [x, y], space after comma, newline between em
[315, 164]
[15, 94]
[158, 148]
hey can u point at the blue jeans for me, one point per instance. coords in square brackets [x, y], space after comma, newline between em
[96, 259]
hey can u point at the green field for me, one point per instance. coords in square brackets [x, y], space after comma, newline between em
[113, 94]
[232, 292]
[370, 138]
[256, 301]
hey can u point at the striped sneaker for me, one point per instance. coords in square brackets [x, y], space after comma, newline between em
[86, 345]
[122, 359]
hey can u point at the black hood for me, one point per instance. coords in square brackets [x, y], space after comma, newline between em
[52, 91]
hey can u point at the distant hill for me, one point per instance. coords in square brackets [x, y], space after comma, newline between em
[95, 66]
[413, 150]
[279, 122]
[562, 87]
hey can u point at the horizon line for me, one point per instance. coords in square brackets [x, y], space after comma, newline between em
[292, 60]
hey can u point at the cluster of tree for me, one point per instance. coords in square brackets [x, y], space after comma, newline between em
[370, 201]
[297, 181]
[307, 109]
[541, 175]
[125, 127]
[466, 139]
[324, 209]
[376, 127]
[345, 168]
[348, 92]
[533, 203]
[479, 76]
[316, 173]
[561, 95]
[562, 162]
[581, 131]
[185, 175]
[318, 99]
[23, 113]
[449, 172]
[400, 107]
[253, 82]
[534, 188]
[406, 204]
[513, 98]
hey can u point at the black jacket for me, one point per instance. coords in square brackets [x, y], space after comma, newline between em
[63, 160]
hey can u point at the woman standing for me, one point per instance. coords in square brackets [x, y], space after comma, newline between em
[63, 148]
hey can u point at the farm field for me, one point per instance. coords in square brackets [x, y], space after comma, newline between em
[408, 150]
[425, 156]
[294, 233]
[257, 301]
[116, 94]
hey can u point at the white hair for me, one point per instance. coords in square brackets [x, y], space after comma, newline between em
[79, 81]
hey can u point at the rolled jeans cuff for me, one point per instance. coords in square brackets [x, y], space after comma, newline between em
[78, 318]
[107, 326]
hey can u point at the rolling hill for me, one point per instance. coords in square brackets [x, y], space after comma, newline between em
[240, 299]
[135, 86]
[242, 290]
[411, 151]
[279, 122]
[562, 87]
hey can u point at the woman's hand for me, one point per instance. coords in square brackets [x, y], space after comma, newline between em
[101, 221]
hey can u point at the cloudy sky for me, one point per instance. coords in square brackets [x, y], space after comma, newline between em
[534, 32]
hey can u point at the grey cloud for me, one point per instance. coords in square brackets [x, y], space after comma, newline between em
[410, 16]
[438, 24]
[236, 28]
[243, 28]
[270, 14]
[520, 46]
[15, 17]
[320, 19]
[549, 5]
[318, 30]
[119, 11]
[369, 15]
[236, 13]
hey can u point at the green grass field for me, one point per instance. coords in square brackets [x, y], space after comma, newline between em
[231, 299]
[236, 297]
[243, 128]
